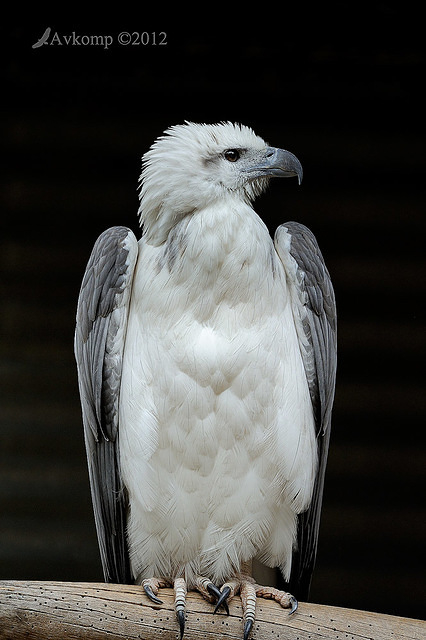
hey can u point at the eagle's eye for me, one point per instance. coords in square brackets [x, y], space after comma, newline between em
[232, 155]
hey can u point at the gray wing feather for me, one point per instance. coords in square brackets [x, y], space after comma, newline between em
[314, 303]
[99, 341]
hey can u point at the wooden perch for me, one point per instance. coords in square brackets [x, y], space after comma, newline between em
[77, 611]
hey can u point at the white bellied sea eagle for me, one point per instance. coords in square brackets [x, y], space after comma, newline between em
[206, 355]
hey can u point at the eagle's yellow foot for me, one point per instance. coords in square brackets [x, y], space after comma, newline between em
[249, 590]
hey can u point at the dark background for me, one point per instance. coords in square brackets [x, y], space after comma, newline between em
[341, 87]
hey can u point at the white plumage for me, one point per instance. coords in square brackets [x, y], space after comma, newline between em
[213, 397]
[228, 455]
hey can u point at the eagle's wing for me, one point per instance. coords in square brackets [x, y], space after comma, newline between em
[99, 341]
[313, 303]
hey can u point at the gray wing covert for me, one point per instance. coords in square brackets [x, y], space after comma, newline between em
[313, 299]
[99, 342]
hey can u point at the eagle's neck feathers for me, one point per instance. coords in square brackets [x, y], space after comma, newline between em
[223, 252]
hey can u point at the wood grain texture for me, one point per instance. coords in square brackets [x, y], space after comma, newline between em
[73, 611]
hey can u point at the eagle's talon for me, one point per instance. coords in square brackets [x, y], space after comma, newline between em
[151, 595]
[222, 600]
[181, 619]
[247, 628]
[213, 590]
[294, 605]
[179, 587]
[220, 596]
[147, 587]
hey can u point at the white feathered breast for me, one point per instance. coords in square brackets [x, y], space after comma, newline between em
[217, 440]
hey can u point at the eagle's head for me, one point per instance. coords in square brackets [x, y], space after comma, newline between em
[193, 166]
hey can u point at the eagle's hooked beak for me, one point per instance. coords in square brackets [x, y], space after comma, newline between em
[279, 163]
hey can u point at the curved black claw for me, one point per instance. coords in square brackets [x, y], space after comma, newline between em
[181, 619]
[213, 590]
[247, 628]
[223, 595]
[294, 605]
[151, 595]
[217, 593]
